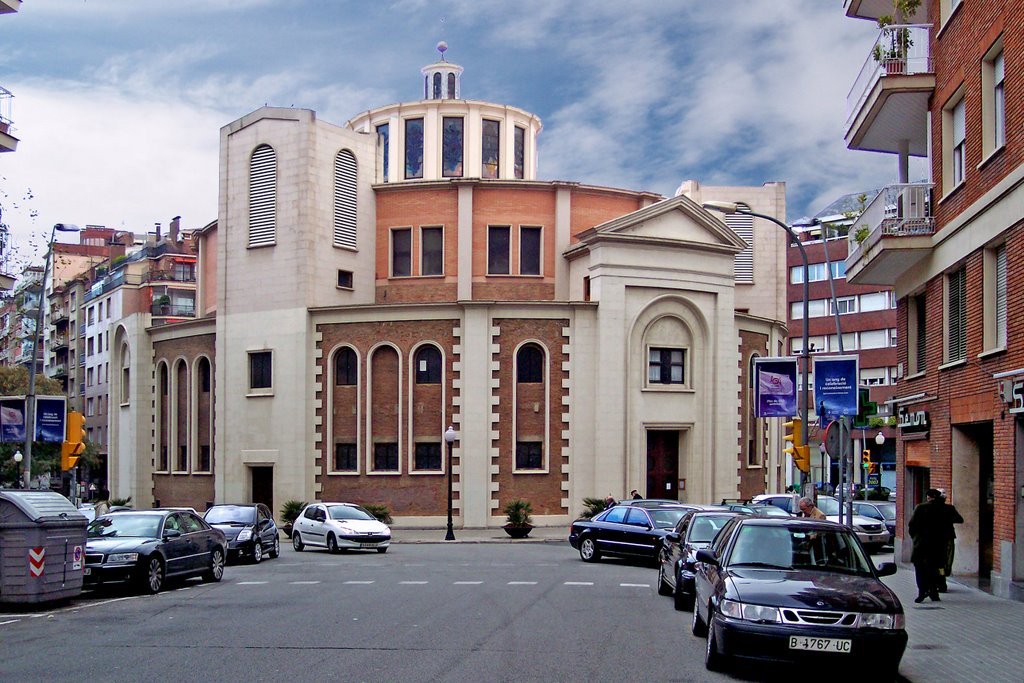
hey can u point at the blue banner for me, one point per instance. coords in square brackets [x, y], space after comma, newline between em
[50, 413]
[12, 419]
[835, 385]
[775, 390]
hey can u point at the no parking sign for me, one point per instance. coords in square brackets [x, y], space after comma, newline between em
[76, 561]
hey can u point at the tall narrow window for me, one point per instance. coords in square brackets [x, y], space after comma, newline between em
[529, 455]
[345, 200]
[491, 148]
[451, 147]
[204, 375]
[413, 148]
[432, 251]
[428, 365]
[346, 367]
[520, 152]
[530, 364]
[999, 100]
[345, 457]
[529, 250]
[437, 85]
[497, 249]
[451, 86]
[743, 262]
[1000, 297]
[959, 142]
[956, 315]
[918, 322]
[427, 456]
[666, 366]
[401, 252]
[383, 139]
[262, 197]
[260, 370]
[385, 457]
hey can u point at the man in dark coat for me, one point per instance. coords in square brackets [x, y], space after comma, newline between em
[930, 528]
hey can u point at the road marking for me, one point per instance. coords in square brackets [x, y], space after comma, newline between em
[522, 583]
[304, 583]
[635, 585]
[412, 583]
[12, 621]
[250, 583]
[467, 583]
[579, 583]
[360, 583]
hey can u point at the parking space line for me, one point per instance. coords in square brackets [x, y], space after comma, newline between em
[635, 585]
[304, 583]
[579, 583]
[412, 583]
[522, 583]
[250, 583]
[12, 621]
[360, 583]
[466, 583]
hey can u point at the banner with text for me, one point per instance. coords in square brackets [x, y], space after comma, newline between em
[12, 419]
[835, 385]
[50, 414]
[775, 391]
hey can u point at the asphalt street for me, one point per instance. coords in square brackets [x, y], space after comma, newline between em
[455, 612]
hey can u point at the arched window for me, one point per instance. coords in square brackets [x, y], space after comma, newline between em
[204, 375]
[428, 365]
[346, 367]
[530, 364]
[437, 85]
[262, 197]
[451, 86]
[426, 87]
[345, 199]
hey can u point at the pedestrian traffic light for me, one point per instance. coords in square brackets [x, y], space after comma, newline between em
[798, 449]
[73, 446]
[865, 458]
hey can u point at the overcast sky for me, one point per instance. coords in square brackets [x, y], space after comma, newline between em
[118, 103]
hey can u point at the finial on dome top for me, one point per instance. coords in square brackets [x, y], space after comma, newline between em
[442, 47]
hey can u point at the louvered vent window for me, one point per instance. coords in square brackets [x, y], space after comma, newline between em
[345, 200]
[1001, 297]
[262, 197]
[743, 226]
[956, 312]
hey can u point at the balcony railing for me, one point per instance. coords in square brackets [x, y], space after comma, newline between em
[58, 313]
[169, 276]
[60, 371]
[899, 50]
[174, 310]
[59, 341]
[903, 210]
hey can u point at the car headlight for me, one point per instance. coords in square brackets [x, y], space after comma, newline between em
[887, 622]
[741, 610]
[245, 534]
[123, 557]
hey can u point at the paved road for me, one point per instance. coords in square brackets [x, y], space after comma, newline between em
[418, 613]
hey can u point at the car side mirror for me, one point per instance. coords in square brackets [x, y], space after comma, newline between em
[705, 555]
[171, 533]
[886, 569]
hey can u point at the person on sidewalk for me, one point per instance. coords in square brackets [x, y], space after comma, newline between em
[609, 501]
[809, 509]
[929, 528]
[635, 495]
[102, 505]
[954, 517]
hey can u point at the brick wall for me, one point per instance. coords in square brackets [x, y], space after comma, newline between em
[752, 479]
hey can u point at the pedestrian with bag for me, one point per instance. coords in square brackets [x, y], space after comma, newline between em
[929, 528]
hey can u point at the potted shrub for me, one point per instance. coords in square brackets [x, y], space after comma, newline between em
[289, 511]
[592, 507]
[381, 512]
[164, 302]
[517, 518]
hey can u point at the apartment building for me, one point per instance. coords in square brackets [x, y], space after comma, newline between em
[943, 84]
[8, 143]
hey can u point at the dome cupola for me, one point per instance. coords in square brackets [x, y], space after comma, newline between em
[442, 80]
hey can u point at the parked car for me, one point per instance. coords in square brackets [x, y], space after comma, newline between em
[795, 589]
[339, 527]
[693, 531]
[755, 509]
[666, 502]
[151, 546]
[624, 530]
[871, 533]
[249, 529]
[880, 510]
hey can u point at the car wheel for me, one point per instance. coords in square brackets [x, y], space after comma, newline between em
[332, 544]
[588, 550]
[153, 578]
[257, 552]
[216, 570]
[713, 659]
[382, 550]
[697, 625]
[663, 587]
[276, 550]
[297, 542]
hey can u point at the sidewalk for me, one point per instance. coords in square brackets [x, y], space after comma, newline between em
[970, 636]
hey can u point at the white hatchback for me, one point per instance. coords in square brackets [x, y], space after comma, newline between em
[339, 527]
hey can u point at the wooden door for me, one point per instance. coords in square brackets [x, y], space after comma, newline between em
[662, 464]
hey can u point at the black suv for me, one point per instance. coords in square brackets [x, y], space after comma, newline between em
[249, 529]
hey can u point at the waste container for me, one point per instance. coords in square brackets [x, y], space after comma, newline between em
[42, 546]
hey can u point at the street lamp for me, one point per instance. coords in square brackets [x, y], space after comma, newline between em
[805, 353]
[449, 438]
[17, 463]
[30, 395]
[880, 438]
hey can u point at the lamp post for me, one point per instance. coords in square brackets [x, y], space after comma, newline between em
[17, 463]
[805, 353]
[449, 438]
[30, 395]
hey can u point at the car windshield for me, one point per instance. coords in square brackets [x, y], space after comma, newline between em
[798, 547]
[704, 528]
[230, 514]
[343, 512]
[666, 518]
[125, 524]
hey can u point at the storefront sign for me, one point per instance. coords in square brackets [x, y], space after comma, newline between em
[912, 420]
[1015, 396]
[775, 387]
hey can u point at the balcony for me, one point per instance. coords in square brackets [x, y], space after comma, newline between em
[174, 310]
[170, 276]
[896, 233]
[60, 372]
[8, 143]
[873, 9]
[58, 342]
[58, 314]
[887, 107]
[9, 6]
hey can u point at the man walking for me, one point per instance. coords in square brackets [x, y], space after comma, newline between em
[809, 509]
[953, 517]
[930, 529]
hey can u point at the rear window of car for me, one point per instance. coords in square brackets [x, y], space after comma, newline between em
[666, 518]
[343, 512]
[226, 514]
[704, 528]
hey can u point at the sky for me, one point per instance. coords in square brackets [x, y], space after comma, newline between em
[118, 104]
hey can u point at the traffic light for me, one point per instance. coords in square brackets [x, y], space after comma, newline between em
[73, 446]
[865, 458]
[798, 449]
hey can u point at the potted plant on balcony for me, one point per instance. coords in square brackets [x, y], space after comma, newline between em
[518, 523]
[892, 52]
[164, 302]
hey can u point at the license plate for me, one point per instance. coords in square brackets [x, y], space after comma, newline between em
[368, 545]
[819, 644]
[88, 571]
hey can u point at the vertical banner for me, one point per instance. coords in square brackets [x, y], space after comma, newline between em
[50, 414]
[775, 390]
[835, 385]
[12, 419]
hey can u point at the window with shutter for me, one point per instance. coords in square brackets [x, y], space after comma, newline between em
[262, 197]
[1000, 311]
[956, 316]
[345, 200]
[743, 226]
